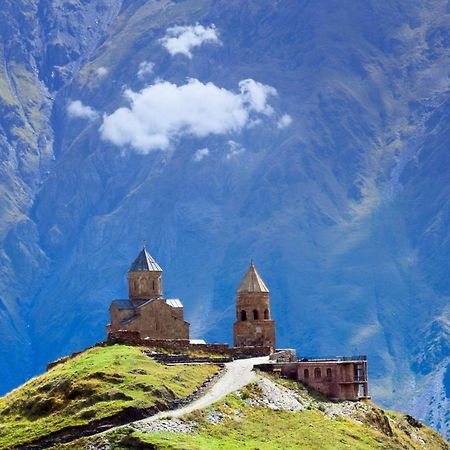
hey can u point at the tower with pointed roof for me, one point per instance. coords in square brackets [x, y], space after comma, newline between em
[253, 326]
[146, 310]
[144, 278]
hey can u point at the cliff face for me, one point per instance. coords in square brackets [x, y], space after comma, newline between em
[43, 44]
[344, 210]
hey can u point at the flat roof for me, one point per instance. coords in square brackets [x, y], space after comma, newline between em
[334, 359]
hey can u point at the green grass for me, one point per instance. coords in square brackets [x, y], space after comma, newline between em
[250, 427]
[105, 380]
[97, 383]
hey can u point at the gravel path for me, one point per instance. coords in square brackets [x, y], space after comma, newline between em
[237, 374]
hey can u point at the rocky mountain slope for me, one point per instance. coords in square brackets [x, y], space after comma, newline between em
[336, 184]
[103, 386]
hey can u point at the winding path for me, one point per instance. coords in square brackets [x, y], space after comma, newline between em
[237, 374]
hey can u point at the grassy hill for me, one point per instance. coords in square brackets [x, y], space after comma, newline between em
[257, 418]
[100, 383]
[104, 383]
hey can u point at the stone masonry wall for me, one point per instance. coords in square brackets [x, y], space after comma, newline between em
[128, 337]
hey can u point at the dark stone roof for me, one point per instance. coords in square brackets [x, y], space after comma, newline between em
[122, 304]
[144, 263]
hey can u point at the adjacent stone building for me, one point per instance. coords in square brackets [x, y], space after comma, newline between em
[343, 378]
[146, 310]
[253, 326]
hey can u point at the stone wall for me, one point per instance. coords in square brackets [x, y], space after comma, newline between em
[129, 337]
[155, 320]
[183, 358]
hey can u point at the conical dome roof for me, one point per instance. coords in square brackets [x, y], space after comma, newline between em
[252, 282]
[144, 263]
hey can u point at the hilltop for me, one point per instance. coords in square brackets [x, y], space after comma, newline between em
[110, 385]
[344, 208]
[101, 386]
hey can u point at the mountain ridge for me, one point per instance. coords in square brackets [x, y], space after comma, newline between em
[344, 211]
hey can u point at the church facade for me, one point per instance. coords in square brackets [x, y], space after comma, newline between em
[146, 310]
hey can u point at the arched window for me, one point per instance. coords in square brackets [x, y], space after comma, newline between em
[243, 316]
[255, 314]
[329, 376]
[317, 373]
[153, 285]
[306, 373]
[266, 314]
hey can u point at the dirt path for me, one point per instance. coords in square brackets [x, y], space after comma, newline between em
[237, 374]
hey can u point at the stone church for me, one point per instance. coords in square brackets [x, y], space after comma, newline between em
[146, 310]
[149, 313]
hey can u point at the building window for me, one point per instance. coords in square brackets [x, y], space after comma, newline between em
[329, 375]
[306, 373]
[317, 373]
[359, 373]
[243, 316]
[266, 314]
[255, 314]
[153, 285]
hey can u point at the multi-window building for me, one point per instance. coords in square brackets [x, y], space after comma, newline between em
[343, 378]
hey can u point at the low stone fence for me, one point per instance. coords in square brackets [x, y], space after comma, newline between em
[249, 352]
[166, 358]
[133, 338]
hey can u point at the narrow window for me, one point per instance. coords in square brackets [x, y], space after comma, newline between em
[359, 372]
[243, 316]
[306, 373]
[255, 314]
[329, 374]
[153, 285]
[317, 373]
[266, 314]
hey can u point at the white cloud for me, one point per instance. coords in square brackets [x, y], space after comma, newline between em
[76, 109]
[145, 69]
[200, 154]
[101, 72]
[164, 111]
[235, 149]
[257, 97]
[285, 121]
[181, 39]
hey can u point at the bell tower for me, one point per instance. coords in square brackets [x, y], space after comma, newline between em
[253, 326]
[144, 278]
